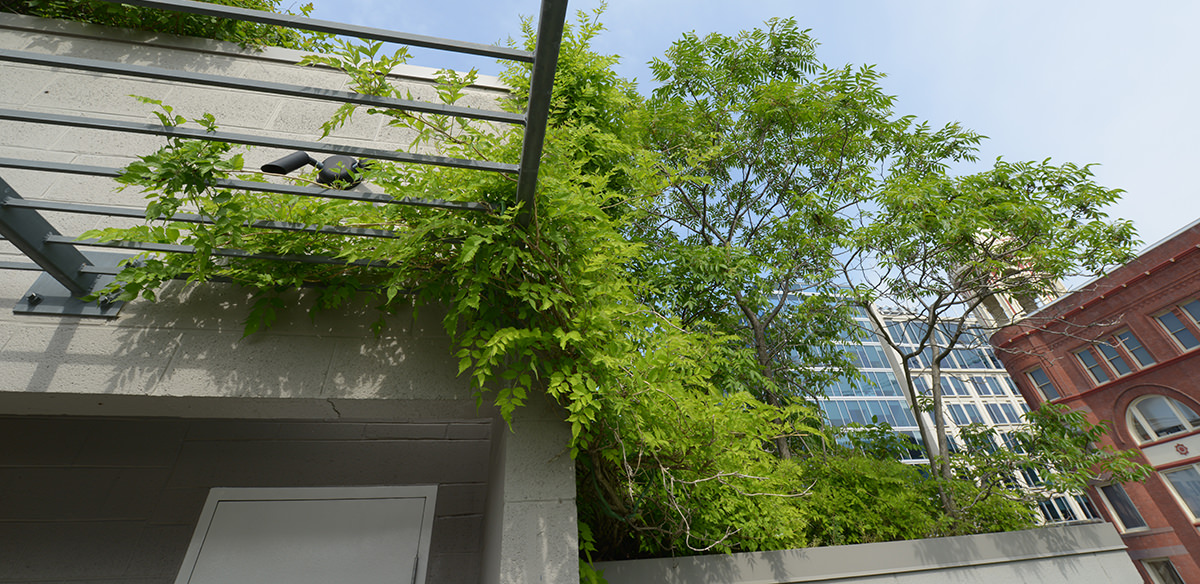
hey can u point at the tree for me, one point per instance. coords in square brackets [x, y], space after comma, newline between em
[680, 417]
[247, 34]
[763, 146]
[935, 247]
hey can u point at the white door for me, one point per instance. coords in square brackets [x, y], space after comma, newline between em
[312, 535]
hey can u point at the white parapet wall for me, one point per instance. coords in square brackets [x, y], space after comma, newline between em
[1075, 554]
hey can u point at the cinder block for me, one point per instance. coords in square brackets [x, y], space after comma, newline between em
[85, 94]
[412, 431]
[538, 465]
[216, 364]
[31, 184]
[320, 431]
[55, 493]
[99, 142]
[64, 551]
[26, 140]
[539, 543]
[132, 443]
[95, 190]
[461, 499]
[36, 441]
[33, 82]
[232, 109]
[469, 430]
[178, 506]
[295, 75]
[324, 463]
[394, 368]
[453, 568]
[135, 493]
[459, 534]
[307, 116]
[158, 551]
[85, 358]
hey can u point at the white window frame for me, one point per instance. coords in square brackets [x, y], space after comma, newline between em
[1171, 486]
[1184, 318]
[1132, 414]
[1154, 577]
[1112, 511]
[1038, 388]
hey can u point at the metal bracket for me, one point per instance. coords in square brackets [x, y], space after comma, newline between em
[48, 297]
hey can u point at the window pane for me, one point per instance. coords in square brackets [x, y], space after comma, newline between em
[994, 411]
[1135, 348]
[1192, 309]
[1049, 512]
[1114, 358]
[1161, 416]
[1085, 503]
[1064, 508]
[1187, 485]
[1043, 383]
[1162, 572]
[1122, 506]
[1011, 413]
[973, 414]
[1178, 330]
[1089, 362]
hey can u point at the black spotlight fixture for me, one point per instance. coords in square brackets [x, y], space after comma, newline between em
[337, 168]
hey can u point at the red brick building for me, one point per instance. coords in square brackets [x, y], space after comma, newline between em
[1126, 349]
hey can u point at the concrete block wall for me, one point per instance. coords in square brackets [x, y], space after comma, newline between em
[310, 401]
[117, 499]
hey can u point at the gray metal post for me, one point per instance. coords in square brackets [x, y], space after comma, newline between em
[541, 88]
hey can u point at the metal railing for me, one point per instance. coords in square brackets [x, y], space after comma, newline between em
[72, 272]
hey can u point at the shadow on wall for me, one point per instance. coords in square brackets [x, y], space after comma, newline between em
[190, 344]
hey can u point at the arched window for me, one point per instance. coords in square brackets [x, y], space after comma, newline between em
[1154, 417]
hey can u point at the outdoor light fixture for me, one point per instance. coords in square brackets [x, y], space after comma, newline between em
[336, 168]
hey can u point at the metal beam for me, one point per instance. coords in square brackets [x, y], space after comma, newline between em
[316, 25]
[70, 242]
[28, 231]
[301, 91]
[541, 88]
[255, 186]
[284, 143]
[128, 213]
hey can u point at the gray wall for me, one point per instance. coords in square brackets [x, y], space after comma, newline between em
[1078, 554]
[110, 431]
[116, 499]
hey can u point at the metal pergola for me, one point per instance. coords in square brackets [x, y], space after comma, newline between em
[71, 271]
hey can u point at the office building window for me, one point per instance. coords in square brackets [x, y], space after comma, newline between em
[1154, 417]
[1128, 518]
[1133, 346]
[1186, 484]
[1162, 571]
[1042, 382]
[1179, 331]
[1088, 359]
[1089, 510]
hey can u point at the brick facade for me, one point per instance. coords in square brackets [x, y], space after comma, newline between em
[1076, 336]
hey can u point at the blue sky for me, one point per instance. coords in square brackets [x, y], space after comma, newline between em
[1107, 82]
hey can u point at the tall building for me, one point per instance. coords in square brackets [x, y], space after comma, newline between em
[1123, 349]
[976, 390]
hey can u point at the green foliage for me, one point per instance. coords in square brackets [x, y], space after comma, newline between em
[677, 422]
[247, 34]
